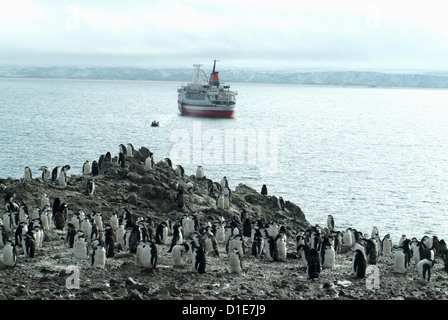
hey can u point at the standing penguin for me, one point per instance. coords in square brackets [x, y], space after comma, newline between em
[235, 261]
[264, 190]
[314, 267]
[121, 160]
[281, 203]
[149, 163]
[149, 255]
[95, 168]
[200, 173]
[327, 254]
[80, 246]
[198, 260]
[162, 233]
[99, 257]
[28, 174]
[386, 245]
[61, 216]
[177, 236]
[177, 254]
[359, 264]
[424, 270]
[9, 257]
[70, 234]
[130, 150]
[270, 248]
[46, 173]
[210, 244]
[330, 222]
[109, 241]
[90, 188]
[281, 246]
[86, 168]
[179, 198]
[29, 244]
[400, 261]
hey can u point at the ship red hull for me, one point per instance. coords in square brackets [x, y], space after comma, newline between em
[206, 111]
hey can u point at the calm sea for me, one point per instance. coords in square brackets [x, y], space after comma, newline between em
[368, 156]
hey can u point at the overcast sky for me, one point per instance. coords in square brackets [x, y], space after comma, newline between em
[255, 33]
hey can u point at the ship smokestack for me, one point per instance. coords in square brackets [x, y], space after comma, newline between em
[214, 78]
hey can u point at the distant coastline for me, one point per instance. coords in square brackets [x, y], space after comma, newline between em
[436, 80]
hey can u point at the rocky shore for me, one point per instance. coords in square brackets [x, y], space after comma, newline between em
[151, 193]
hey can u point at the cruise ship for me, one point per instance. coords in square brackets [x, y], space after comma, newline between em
[204, 98]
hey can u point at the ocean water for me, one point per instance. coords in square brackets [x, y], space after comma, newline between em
[368, 156]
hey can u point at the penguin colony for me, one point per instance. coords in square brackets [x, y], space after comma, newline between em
[190, 241]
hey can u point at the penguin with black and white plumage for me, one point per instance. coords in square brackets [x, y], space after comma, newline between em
[313, 264]
[61, 217]
[210, 244]
[80, 249]
[132, 238]
[168, 162]
[386, 245]
[282, 251]
[20, 233]
[328, 255]
[180, 171]
[247, 228]
[122, 160]
[114, 222]
[178, 254]
[270, 248]
[149, 163]
[62, 177]
[99, 257]
[235, 261]
[70, 235]
[303, 251]
[86, 168]
[97, 218]
[359, 264]
[264, 190]
[109, 241]
[330, 222]
[149, 255]
[29, 244]
[235, 241]
[424, 270]
[402, 238]
[400, 261]
[130, 150]
[220, 201]
[177, 236]
[46, 173]
[281, 203]
[90, 188]
[179, 197]
[28, 174]
[200, 175]
[162, 233]
[257, 244]
[95, 169]
[9, 256]
[371, 251]
[198, 260]
[224, 183]
[122, 149]
[55, 173]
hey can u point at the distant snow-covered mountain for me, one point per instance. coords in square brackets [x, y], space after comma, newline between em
[307, 77]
